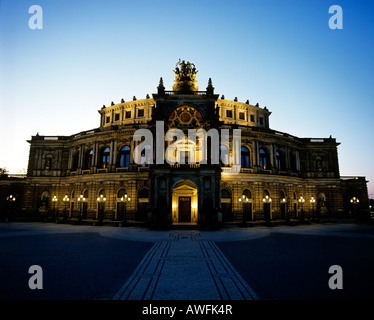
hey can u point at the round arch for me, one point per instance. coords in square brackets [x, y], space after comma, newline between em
[185, 202]
[142, 204]
[120, 193]
[120, 197]
[226, 204]
[44, 202]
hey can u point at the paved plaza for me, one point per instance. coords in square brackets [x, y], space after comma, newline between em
[133, 263]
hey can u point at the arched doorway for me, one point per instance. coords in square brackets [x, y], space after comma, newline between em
[247, 205]
[121, 203]
[185, 202]
[283, 205]
[226, 205]
[85, 204]
[143, 205]
[267, 206]
[72, 204]
[321, 204]
[44, 203]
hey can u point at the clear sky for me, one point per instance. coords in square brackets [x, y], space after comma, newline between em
[282, 54]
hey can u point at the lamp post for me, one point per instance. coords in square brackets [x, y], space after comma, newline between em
[243, 199]
[267, 201]
[54, 200]
[312, 202]
[124, 200]
[355, 202]
[11, 200]
[80, 200]
[66, 200]
[301, 201]
[100, 201]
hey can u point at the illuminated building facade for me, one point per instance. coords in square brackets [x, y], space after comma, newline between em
[282, 177]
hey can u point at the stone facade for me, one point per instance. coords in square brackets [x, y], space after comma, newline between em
[275, 166]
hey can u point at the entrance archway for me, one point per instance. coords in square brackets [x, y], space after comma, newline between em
[185, 202]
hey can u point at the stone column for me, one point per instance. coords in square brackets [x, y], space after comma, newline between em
[287, 158]
[81, 157]
[114, 161]
[297, 160]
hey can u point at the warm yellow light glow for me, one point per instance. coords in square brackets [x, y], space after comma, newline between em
[185, 189]
[354, 200]
[266, 199]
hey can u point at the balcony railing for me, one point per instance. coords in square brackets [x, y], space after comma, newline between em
[225, 169]
[143, 169]
[186, 165]
[196, 93]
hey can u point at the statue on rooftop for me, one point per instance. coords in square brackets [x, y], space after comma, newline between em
[185, 77]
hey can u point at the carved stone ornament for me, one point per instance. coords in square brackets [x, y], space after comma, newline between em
[185, 77]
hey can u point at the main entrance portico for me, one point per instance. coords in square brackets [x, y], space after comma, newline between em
[184, 195]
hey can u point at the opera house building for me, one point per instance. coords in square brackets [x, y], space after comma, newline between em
[175, 158]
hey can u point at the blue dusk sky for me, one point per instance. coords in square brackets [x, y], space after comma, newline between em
[316, 81]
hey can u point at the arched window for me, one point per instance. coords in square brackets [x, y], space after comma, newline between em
[44, 198]
[264, 162]
[224, 155]
[293, 161]
[105, 155]
[282, 195]
[48, 162]
[247, 194]
[225, 194]
[143, 193]
[245, 157]
[102, 195]
[278, 160]
[88, 158]
[75, 161]
[121, 193]
[124, 157]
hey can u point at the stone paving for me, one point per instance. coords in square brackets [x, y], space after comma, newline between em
[170, 265]
[185, 264]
